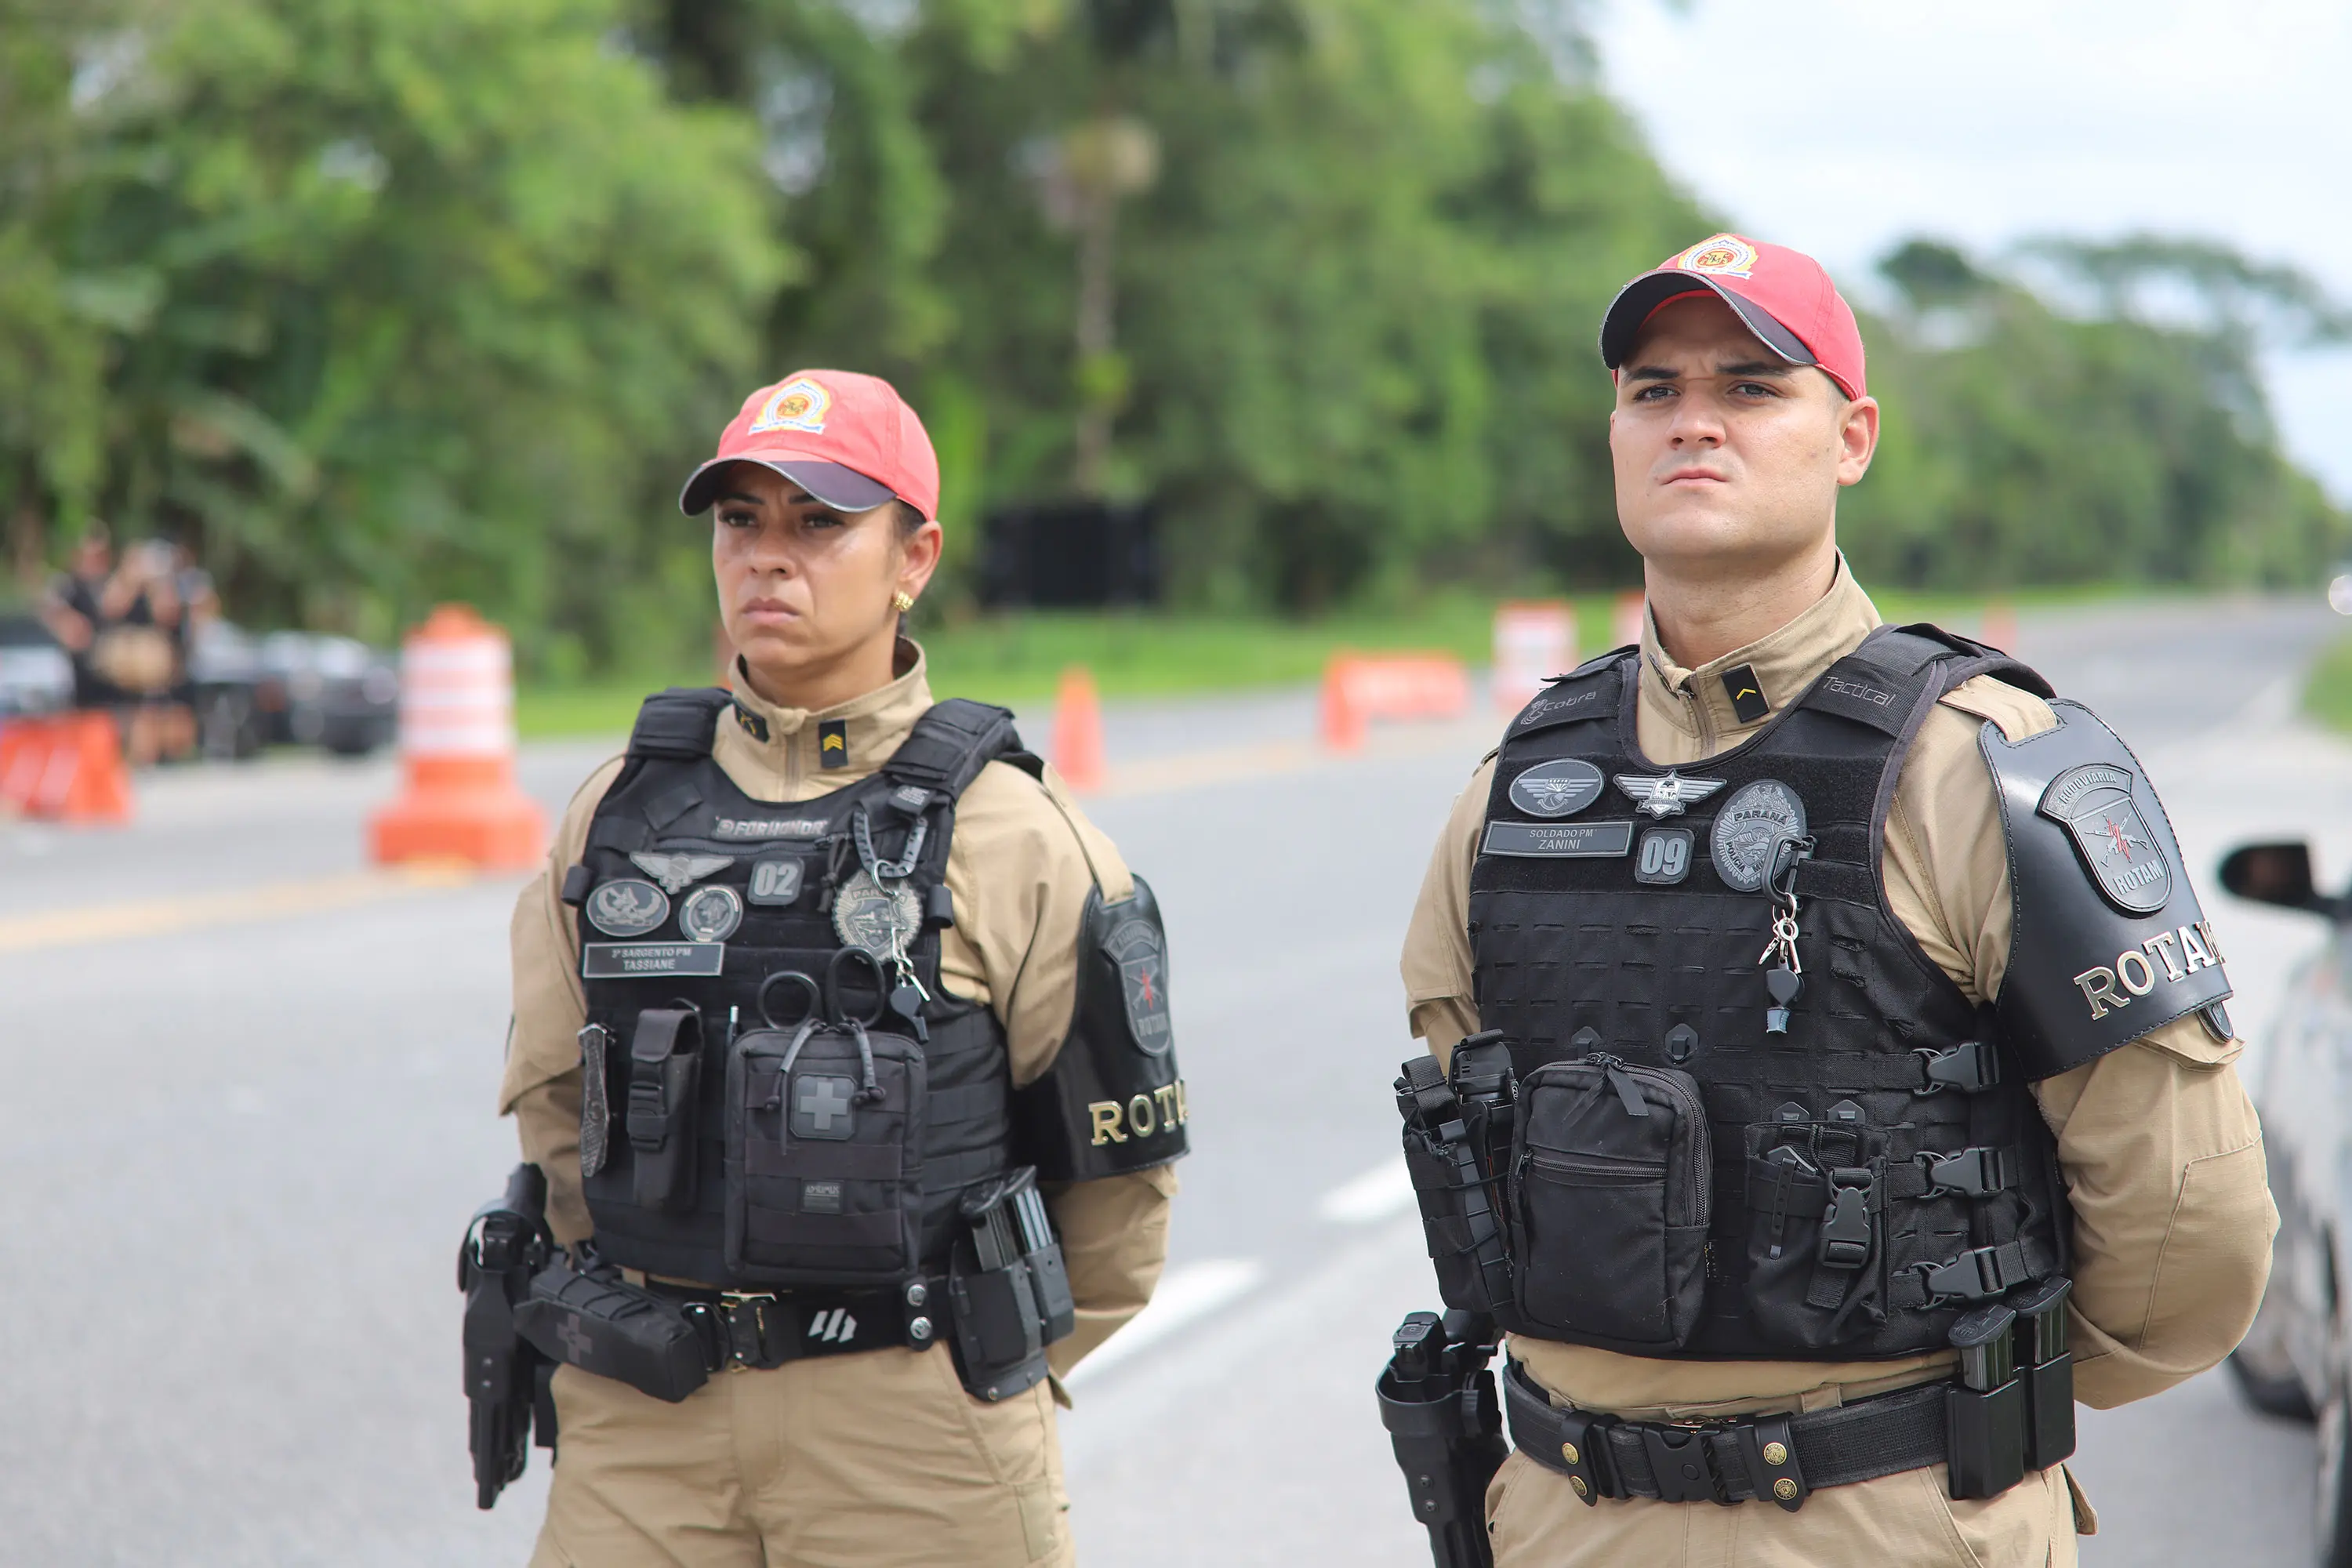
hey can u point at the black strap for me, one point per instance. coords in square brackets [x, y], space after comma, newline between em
[1726, 1461]
[950, 743]
[766, 1330]
[677, 722]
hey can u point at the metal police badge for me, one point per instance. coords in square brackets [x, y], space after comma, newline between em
[2094, 801]
[710, 914]
[867, 916]
[1556, 789]
[1757, 817]
[1666, 796]
[626, 908]
[677, 872]
[1136, 947]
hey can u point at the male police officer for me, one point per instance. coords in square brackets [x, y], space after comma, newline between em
[821, 981]
[1847, 999]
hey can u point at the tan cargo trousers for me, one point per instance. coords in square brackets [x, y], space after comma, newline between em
[874, 1461]
[1904, 1520]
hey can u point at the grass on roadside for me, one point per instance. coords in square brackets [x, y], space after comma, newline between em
[1017, 658]
[2327, 688]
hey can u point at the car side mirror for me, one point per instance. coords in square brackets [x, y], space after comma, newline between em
[2275, 874]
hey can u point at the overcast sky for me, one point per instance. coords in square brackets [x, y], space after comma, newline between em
[1841, 126]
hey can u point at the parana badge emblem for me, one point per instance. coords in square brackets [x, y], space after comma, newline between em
[1756, 816]
[1556, 789]
[1725, 255]
[2094, 801]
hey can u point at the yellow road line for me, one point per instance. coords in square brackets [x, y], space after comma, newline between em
[271, 900]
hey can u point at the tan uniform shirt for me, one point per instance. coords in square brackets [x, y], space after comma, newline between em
[2160, 1148]
[1022, 863]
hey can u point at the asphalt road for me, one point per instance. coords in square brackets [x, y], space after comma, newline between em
[249, 1107]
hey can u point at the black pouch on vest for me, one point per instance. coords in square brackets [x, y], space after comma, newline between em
[601, 1323]
[1611, 1178]
[1451, 1125]
[1017, 1300]
[664, 1081]
[1816, 1243]
[824, 1165]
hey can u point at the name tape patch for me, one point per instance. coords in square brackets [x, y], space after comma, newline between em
[1566, 841]
[628, 960]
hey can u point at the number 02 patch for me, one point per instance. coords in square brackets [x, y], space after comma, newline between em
[1664, 856]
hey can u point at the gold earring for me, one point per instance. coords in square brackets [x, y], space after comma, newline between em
[902, 601]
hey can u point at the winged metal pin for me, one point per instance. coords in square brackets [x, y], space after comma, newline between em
[1667, 795]
[678, 871]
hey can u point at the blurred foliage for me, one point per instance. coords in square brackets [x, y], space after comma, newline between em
[378, 303]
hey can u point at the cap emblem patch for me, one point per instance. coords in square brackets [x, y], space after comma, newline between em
[800, 404]
[1723, 254]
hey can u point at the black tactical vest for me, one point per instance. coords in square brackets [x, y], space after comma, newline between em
[701, 910]
[1684, 1182]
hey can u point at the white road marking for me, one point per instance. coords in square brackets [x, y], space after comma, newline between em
[1184, 1297]
[1380, 1193]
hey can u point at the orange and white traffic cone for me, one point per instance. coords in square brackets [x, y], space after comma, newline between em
[1631, 615]
[2000, 628]
[1343, 714]
[1077, 731]
[68, 767]
[459, 800]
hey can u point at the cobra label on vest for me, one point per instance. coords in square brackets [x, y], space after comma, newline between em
[1154, 1115]
[2094, 801]
[1556, 789]
[629, 960]
[2136, 971]
[1567, 841]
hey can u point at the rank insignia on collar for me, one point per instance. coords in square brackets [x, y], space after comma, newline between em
[833, 742]
[1668, 795]
[679, 871]
[753, 725]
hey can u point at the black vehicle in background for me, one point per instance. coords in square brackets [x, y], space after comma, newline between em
[330, 691]
[2296, 1360]
[36, 675]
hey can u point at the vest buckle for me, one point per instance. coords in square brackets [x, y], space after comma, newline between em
[1682, 1462]
[1845, 1228]
[1976, 1173]
[1972, 1068]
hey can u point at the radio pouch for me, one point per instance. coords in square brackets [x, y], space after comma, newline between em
[1450, 1124]
[600, 1323]
[665, 1082]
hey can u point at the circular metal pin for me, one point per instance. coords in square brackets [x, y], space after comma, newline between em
[1567, 1452]
[917, 1293]
[919, 1330]
[1784, 1489]
[1776, 1453]
[1581, 1490]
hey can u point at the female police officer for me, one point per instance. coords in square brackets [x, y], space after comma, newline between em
[814, 976]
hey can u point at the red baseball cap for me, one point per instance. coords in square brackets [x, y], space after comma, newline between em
[849, 440]
[1784, 297]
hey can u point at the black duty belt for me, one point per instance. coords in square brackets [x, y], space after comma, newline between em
[1782, 1457]
[766, 1329]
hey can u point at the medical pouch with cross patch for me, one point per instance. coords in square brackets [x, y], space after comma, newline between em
[716, 929]
[825, 1156]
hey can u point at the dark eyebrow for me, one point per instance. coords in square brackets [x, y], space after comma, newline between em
[739, 496]
[1751, 369]
[1653, 372]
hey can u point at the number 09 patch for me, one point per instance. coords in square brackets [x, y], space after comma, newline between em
[1664, 856]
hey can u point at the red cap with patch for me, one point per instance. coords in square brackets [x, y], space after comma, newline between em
[1784, 297]
[849, 440]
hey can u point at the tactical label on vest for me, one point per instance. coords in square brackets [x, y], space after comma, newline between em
[2094, 801]
[626, 908]
[1552, 709]
[770, 828]
[776, 881]
[1756, 817]
[1585, 840]
[628, 960]
[1556, 789]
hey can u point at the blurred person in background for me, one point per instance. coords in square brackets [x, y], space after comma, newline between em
[120, 623]
[841, 1037]
[72, 609]
[1831, 1016]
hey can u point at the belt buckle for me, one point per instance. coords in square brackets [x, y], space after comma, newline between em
[744, 1314]
[1685, 1470]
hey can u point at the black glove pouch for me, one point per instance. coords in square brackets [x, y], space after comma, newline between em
[1012, 1291]
[1611, 1185]
[601, 1323]
[1816, 1242]
[664, 1077]
[824, 1162]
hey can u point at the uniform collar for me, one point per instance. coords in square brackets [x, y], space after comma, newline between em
[1722, 700]
[781, 754]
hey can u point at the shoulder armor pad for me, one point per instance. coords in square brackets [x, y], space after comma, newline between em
[1592, 690]
[1113, 1101]
[677, 722]
[2109, 943]
[1969, 658]
[950, 743]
